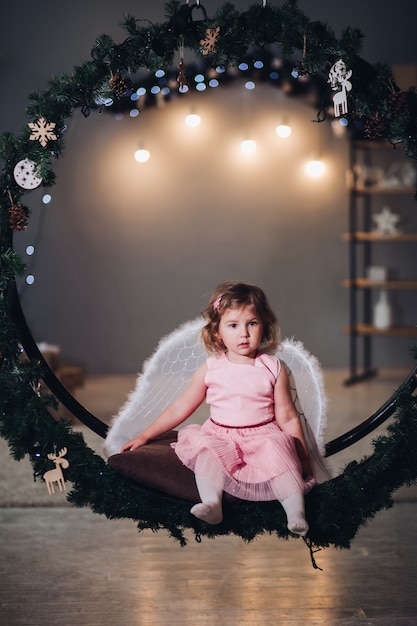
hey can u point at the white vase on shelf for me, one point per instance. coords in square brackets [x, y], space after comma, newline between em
[382, 318]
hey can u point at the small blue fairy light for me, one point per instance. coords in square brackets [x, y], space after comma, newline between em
[100, 101]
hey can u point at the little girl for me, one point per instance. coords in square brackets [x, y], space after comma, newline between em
[253, 445]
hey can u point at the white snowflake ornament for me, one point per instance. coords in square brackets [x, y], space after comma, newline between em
[386, 222]
[42, 131]
[24, 174]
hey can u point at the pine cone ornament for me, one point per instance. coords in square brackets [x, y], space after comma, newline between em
[398, 103]
[119, 84]
[17, 217]
[375, 127]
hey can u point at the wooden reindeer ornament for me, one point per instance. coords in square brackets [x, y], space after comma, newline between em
[339, 80]
[56, 475]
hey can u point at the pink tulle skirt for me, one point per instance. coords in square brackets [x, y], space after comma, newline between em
[256, 463]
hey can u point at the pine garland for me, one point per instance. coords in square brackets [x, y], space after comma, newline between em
[335, 509]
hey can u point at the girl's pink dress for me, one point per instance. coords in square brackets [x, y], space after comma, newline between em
[241, 448]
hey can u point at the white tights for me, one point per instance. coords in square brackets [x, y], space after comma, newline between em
[210, 508]
[294, 509]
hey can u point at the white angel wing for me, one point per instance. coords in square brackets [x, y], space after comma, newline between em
[169, 371]
[309, 396]
[164, 376]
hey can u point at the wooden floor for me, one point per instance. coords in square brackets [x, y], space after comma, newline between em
[70, 567]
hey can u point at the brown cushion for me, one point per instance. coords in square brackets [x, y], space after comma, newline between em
[156, 466]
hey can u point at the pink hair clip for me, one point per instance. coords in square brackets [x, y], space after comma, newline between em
[216, 303]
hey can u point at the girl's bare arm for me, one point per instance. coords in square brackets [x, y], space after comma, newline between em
[176, 413]
[289, 421]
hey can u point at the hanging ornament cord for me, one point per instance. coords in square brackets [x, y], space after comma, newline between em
[182, 78]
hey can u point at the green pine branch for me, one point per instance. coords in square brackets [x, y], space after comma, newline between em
[336, 509]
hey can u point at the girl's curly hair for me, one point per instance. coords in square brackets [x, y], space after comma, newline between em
[233, 295]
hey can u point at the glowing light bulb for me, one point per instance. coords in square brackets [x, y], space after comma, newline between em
[142, 156]
[193, 120]
[283, 130]
[315, 168]
[248, 146]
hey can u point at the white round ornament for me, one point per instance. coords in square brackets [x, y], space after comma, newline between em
[24, 174]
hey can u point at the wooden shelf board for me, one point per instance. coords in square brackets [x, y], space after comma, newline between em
[364, 283]
[395, 331]
[378, 190]
[377, 237]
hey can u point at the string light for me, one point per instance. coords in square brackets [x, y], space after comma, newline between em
[142, 155]
[315, 168]
[248, 146]
[283, 130]
[192, 120]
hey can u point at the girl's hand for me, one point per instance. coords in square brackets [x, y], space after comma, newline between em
[133, 444]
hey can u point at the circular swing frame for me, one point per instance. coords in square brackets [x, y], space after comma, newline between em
[337, 508]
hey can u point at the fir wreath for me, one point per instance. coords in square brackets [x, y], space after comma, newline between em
[337, 508]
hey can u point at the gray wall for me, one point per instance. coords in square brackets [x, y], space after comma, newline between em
[126, 252]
